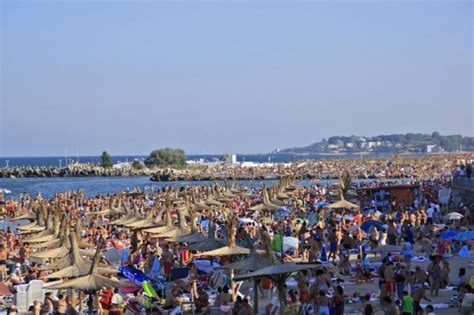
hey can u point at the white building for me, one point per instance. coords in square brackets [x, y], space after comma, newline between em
[433, 148]
[231, 159]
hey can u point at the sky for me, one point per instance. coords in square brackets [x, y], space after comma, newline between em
[228, 76]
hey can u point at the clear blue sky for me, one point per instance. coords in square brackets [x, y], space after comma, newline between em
[229, 76]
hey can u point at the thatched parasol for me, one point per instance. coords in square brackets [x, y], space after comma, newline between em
[92, 282]
[78, 265]
[278, 274]
[193, 236]
[210, 243]
[52, 232]
[343, 203]
[61, 251]
[177, 232]
[27, 216]
[266, 205]
[254, 262]
[231, 248]
[162, 229]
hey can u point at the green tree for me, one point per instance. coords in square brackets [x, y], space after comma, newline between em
[137, 165]
[106, 160]
[166, 157]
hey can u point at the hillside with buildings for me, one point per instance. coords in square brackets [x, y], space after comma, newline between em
[396, 143]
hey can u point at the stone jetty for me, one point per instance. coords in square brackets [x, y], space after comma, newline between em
[87, 170]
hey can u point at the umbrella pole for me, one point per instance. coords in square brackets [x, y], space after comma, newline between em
[255, 295]
[80, 302]
[90, 305]
[280, 281]
[232, 284]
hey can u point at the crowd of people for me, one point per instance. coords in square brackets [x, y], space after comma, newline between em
[294, 224]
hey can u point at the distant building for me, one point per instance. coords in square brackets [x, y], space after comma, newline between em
[350, 144]
[433, 148]
[231, 159]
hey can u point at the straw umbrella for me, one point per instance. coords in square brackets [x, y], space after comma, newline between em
[39, 222]
[210, 243]
[266, 205]
[63, 250]
[78, 266]
[52, 232]
[254, 262]
[230, 249]
[145, 222]
[193, 236]
[278, 274]
[92, 282]
[182, 230]
[161, 229]
[343, 203]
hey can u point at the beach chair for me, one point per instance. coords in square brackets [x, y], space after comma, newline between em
[35, 291]
[22, 298]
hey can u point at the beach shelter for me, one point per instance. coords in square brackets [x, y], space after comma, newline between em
[61, 251]
[343, 204]
[231, 248]
[78, 266]
[145, 222]
[193, 236]
[343, 187]
[182, 230]
[162, 229]
[278, 274]
[52, 233]
[92, 282]
[118, 210]
[253, 262]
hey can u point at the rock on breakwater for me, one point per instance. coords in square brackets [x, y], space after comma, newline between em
[88, 170]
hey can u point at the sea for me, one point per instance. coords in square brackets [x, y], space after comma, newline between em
[257, 158]
[94, 186]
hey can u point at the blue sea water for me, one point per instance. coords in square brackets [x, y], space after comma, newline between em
[61, 160]
[105, 185]
[96, 185]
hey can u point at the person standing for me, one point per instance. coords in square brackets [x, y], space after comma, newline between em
[434, 274]
[407, 304]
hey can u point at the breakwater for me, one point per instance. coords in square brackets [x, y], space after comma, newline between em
[82, 171]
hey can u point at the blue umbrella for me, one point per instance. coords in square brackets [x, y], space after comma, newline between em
[282, 212]
[449, 234]
[368, 224]
[465, 236]
[322, 203]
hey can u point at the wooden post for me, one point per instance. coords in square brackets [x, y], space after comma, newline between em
[255, 295]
